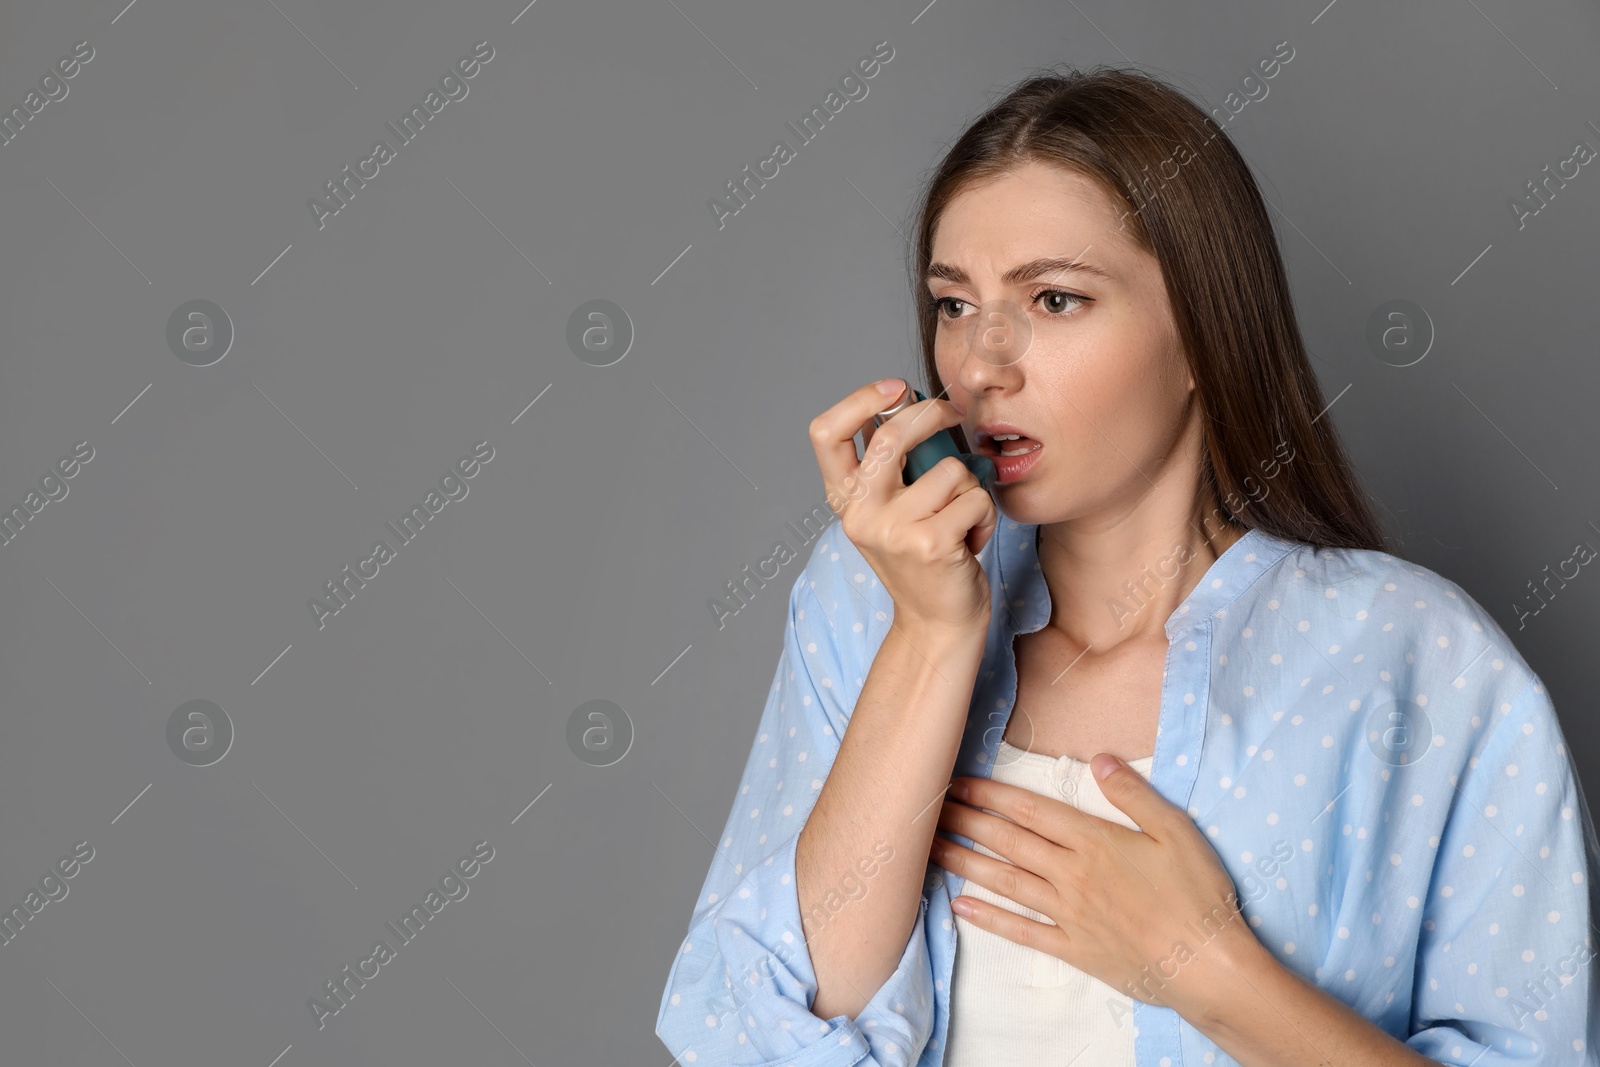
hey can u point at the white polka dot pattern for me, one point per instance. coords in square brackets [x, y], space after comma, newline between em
[1379, 770]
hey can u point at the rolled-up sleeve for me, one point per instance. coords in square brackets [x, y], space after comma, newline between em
[1504, 969]
[742, 983]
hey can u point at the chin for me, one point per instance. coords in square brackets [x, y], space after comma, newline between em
[1023, 503]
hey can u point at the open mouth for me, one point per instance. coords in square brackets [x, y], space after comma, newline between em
[1012, 444]
[1007, 445]
[1013, 454]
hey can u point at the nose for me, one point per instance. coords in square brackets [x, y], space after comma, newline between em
[996, 342]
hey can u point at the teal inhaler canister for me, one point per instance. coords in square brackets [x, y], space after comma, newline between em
[921, 457]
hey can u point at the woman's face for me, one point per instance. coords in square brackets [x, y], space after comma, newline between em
[1087, 365]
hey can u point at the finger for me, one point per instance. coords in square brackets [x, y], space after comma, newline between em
[1015, 883]
[1024, 812]
[1136, 798]
[950, 489]
[890, 443]
[1006, 839]
[920, 420]
[980, 534]
[1062, 825]
[866, 430]
[834, 431]
[977, 512]
[944, 482]
[1018, 929]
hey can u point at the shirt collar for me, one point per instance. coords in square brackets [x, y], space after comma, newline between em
[1025, 596]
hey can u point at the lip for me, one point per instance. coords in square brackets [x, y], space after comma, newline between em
[984, 434]
[1007, 468]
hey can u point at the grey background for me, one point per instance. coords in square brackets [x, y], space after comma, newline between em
[375, 352]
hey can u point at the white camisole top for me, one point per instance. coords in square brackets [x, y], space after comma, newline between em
[1016, 1005]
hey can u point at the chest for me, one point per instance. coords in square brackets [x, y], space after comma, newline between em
[1076, 702]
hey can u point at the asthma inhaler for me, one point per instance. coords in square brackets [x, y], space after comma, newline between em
[921, 457]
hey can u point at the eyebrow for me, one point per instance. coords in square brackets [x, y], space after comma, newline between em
[1023, 272]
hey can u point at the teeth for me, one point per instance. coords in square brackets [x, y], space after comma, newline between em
[997, 438]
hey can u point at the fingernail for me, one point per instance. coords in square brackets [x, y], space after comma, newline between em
[1107, 768]
[890, 386]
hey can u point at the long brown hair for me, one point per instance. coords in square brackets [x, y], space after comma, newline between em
[1209, 230]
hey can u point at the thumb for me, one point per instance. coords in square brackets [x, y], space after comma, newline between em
[1129, 791]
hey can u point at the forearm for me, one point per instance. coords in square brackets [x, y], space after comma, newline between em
[1264, 1015]
[888, 777]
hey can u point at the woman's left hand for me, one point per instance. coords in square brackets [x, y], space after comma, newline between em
[1152, 914]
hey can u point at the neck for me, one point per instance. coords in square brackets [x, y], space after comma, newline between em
[1113, 581]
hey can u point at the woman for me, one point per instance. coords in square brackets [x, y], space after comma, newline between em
[1230, 784]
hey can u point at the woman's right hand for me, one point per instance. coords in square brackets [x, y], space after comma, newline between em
[920, 539]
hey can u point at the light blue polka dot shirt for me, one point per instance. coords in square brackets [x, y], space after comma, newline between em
[1380, 772]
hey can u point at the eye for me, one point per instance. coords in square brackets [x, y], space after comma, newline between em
[937, 305]
[1060, 309]
[1060, 304]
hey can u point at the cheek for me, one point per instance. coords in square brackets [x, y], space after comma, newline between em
[1134, 370]
[949, 353]
[1120, 388]
[1093, 377]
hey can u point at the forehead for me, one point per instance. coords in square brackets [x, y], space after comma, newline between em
[1030, 211]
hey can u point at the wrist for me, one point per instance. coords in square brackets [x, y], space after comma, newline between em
[1242, 970]
[945, 638]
